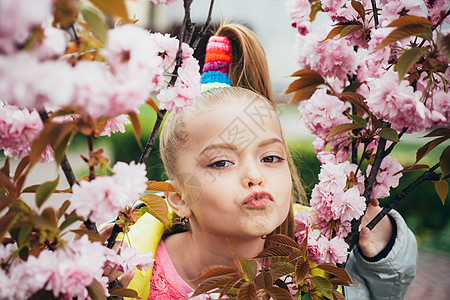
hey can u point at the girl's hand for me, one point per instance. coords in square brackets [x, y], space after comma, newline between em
[373, 242]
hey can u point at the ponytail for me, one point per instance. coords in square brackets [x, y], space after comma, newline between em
[248, 66]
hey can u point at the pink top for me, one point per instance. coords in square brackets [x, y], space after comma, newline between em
[165, 283]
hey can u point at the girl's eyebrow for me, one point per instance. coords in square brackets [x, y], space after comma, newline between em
[269, 142]
[219, 146]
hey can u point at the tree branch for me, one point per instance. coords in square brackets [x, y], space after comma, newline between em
[205, 27]
[428, 175]
[375, 13]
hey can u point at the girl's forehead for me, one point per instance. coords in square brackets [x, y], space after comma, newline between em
[237, 121]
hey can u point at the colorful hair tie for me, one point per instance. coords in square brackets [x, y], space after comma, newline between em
[217, 62]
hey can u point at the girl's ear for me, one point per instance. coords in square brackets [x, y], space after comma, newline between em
[177, 202]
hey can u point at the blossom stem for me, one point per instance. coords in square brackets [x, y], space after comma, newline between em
[68, 172]
[91, 152]
[375, 13]
[428, 175]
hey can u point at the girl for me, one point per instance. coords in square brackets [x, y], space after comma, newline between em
[228, 162]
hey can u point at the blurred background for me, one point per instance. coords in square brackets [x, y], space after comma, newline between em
[422, 209]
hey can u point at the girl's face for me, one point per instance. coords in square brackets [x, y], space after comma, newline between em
[234, 174]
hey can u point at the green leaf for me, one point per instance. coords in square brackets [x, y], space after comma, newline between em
[441, 187]
[24, 252]
[123, 292]
[96, 291]
[389, 134]
[306, 297]
[342, 128]
[403, 32]
[408, 60]
[444, 161]
[96, 24]
[69, 221]
[23, 234]
[349, 29]
[425, 149]
[44, 191]
[358, 120]
[324, 286]
[281, 269]
[112, 7]
[249, 269]
[352, 87]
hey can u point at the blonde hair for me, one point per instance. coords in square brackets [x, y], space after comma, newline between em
[250, 79]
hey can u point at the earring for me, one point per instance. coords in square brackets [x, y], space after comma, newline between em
[185, 221]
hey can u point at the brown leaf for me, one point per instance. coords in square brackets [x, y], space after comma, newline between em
[213, 283]
[339, 281]
[444, 161]
[307, 80]
[439, 132]
[160, 186]
[5, 223]
[283, 240]
[356, 99]
[215, 270]
[441, 188]
[137, 127]
[412, 168]
[281, 269]
[408, 60]
[112, 7]
[349, 29]
[23, 163]
[272, 252]
[4, 202]
[96, 291]
[342, 128]
[337, 295]
[402, 32]
[410, 20]
[157, 206]
[5, 182]
[61, 211]
[360, 9]
[123, 292]
[152, 103]
[93, 236]
[334, 32]
[303, 94]
[301, 270]
[247, 291]
[340, 272]
[278, 293]
[425, 149]
[5, 169]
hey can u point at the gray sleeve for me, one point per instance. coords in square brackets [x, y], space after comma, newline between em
[390, 277]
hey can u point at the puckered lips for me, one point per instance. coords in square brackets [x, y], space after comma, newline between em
[257, 199]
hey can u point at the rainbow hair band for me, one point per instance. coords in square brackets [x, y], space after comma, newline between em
[217, 64]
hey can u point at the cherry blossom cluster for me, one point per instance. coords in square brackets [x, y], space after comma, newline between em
[335, 201]
[66, 272]
[393, 100]
[111, 193]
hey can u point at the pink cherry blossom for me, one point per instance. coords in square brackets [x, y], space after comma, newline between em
[298, 11]
[132, 260]
[322, 112]
[435, 8]
[18, 17]
[104, 197]
[334, 250]
[302, 224]
[133, 54]
[53, 44]
[393, 9]
[386, 177]
[333, 177]
[167, 48]
[331, 58]
[26, 82]
[397, 103]
[18, 128]
[186, 88]
[348, 205]
[116, 124]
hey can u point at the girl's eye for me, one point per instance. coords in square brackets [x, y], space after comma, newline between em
[220, 164]
[272, 159]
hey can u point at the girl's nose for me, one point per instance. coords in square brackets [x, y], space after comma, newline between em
[252, 175]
